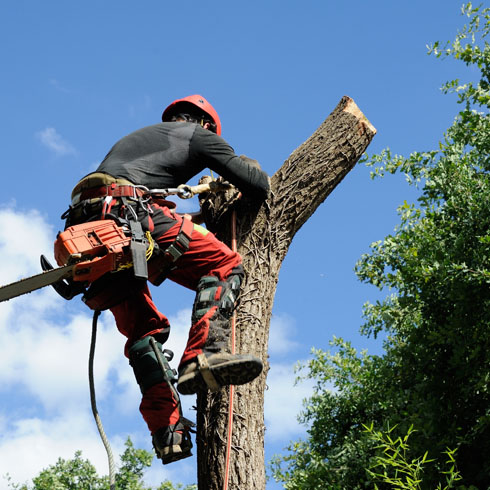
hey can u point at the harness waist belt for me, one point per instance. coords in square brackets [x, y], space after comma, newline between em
[116, 190]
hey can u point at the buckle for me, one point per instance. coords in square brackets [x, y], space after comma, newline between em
[133, 195]
[177, 248]
[172, 252]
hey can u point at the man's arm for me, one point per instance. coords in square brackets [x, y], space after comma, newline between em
[243, 172]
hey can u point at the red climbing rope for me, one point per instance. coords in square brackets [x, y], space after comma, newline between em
[230, 403]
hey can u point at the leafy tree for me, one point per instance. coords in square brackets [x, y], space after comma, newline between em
[392, 465]
[67, 474]
[133, 463]
[435, 371]
[80, 474]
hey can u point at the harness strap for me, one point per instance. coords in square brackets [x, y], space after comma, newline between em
[114, 189]
[164, 261]
[181, 243]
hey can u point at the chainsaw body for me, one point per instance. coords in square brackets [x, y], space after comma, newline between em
[94, 248]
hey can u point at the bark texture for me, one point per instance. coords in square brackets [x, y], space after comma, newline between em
[264, 234]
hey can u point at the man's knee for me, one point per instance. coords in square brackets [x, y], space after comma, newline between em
[224, 295]
[150, 363]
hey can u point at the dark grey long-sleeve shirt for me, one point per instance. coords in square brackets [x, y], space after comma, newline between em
[169, 154]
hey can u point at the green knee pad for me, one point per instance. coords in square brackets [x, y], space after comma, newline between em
[150, 363]
[207, 295]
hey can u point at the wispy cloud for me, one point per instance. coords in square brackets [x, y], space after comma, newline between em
[58, 86]
[283, 403]
[52, 140]
[45, 408]
[283, 398]
[282, 331]
[23, 237]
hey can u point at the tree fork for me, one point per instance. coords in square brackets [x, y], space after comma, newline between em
[264, 234]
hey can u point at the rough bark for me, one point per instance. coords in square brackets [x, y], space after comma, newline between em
[264, 234]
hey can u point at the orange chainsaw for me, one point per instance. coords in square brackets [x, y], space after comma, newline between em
[85, 253]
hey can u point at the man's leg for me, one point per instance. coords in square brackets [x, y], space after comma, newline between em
[214, 271]
[206, 362]
[147, 329]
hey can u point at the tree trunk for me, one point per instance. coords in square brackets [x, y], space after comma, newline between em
[264, 234]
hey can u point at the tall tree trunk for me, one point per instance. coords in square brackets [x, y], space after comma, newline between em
[264, 234]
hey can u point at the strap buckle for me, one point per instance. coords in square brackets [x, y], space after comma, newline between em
[181, 243]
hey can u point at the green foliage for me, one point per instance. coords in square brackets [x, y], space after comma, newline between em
[80, 474]
[132, 466]
[435, 268]
[75, 473]
[168, 485]
[338, 450]
[393, 466]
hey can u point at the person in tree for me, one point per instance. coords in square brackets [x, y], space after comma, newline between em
[161, 156]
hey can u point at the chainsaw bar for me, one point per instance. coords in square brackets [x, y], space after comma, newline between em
[33, 283]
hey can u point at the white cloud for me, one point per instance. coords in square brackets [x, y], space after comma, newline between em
[58, 86]
[283, 402]
[23, 238]
[281, 330]
[52, 140]
[184, 471]
[45, 410]
[30, 445]
[55, 369]
[180, 324]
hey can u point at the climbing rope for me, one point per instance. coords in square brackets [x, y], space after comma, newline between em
[112, 478]
[233, 349]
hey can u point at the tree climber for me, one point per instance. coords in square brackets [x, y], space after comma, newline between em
[161, 156]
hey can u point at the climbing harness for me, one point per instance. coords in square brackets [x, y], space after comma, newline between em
[97, 246]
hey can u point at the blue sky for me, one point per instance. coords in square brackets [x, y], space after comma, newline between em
[78, 76]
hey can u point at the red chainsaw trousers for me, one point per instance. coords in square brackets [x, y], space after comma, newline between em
[137, 316]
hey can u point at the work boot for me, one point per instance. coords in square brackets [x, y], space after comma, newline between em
[214, 370]
[174, 442]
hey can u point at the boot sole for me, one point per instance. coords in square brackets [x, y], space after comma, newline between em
[173, 453]
[236, 372]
